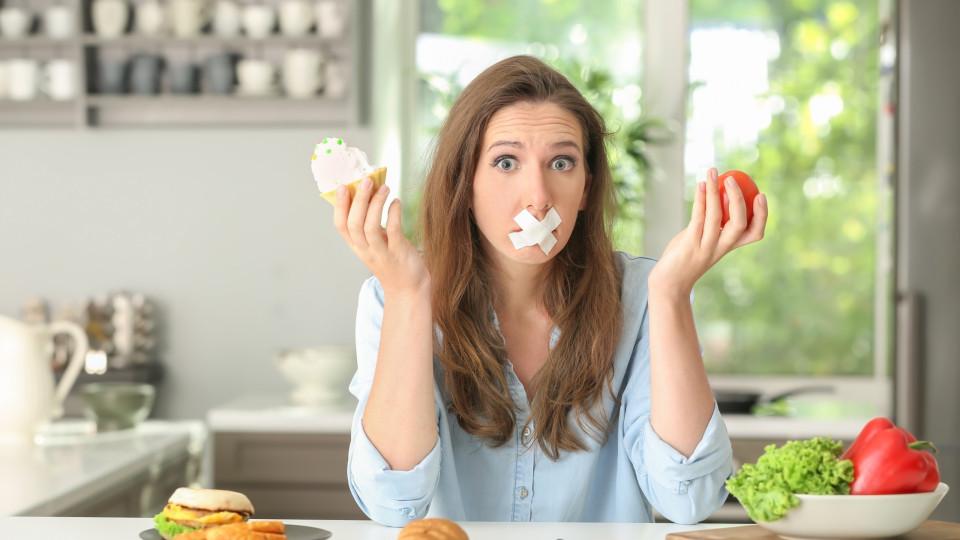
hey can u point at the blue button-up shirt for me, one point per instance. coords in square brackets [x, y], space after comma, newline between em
[616, 480]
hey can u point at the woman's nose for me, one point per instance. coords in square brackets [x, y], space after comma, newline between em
[536, 196]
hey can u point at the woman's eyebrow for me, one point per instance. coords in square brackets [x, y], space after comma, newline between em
[566, 144]
[512, 144]
[517, 144]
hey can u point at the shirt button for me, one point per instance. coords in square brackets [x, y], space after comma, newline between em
[523, 493]
[526, 432]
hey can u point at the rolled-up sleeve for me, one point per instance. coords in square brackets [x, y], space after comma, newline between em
[389, 497]
[684, 489]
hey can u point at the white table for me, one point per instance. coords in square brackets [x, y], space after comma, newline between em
[70, 463]
[129, 529]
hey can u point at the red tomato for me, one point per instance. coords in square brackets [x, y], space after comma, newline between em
[747, 186]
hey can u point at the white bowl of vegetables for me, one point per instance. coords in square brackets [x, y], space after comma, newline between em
[886, 484]
[856, 516]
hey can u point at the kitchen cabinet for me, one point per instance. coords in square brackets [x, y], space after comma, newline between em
[93, 107]
[144, 494]
[289, 476]
[291, 461]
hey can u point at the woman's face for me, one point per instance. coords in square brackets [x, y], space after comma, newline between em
[531, 158]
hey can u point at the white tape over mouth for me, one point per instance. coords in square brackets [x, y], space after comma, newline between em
[536, 232]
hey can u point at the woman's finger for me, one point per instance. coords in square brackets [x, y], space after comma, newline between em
[372, 230]
[733, 229]
[698, 212]
[755, 230]
[341, 208]
[711, 224]
[358, 214]
[394, 226]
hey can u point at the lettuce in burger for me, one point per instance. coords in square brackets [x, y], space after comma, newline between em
[190, 509]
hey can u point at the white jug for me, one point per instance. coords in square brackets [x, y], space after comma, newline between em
[27, 395]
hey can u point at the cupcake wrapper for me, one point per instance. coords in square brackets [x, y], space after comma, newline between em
[379, 177]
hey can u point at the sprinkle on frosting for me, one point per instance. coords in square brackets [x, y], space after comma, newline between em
[334, 163]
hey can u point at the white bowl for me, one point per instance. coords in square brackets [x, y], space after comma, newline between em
[818, 517]
[320, 375]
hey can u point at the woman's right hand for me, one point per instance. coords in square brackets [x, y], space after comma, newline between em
[386, 252]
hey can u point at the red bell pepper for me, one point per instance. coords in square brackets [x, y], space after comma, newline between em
[889, 459]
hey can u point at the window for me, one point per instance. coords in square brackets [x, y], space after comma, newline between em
[788, 91]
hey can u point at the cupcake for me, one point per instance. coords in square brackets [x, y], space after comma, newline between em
[335, 164]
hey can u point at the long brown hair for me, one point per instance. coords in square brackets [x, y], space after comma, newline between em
[582, 295]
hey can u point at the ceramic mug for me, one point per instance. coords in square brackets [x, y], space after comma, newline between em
[188, 17]
[145, 73]
[302, 72]
[256, 77]
[218, 73]
[4, 80]
[183, 78]
[15, 22]
[296, 17]
[227, 19]
[58, 22]
[59, 79]
[24, 78]
[111, 75]
[331, 19]
[334, 80]
[110, 17]
[259, 20]
[149, 18]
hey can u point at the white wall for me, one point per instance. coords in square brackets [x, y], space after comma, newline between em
[223, 229]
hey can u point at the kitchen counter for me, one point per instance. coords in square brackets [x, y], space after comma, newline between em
[119, 528]
[274, 413]
[746, 426]
[69, 464]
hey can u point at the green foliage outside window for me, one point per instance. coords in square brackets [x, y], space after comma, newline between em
[801, 301]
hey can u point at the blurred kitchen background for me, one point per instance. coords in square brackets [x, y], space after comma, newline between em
[182, 229]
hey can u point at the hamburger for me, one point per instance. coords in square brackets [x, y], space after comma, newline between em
[190, 509]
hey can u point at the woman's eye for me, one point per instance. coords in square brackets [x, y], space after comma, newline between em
[506, 163]
[562, 164]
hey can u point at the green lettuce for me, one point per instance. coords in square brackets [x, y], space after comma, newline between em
[169, 529]
[767, 490]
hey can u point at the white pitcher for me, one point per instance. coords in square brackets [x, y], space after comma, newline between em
[28, 398]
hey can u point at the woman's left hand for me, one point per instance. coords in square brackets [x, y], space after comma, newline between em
[704, 242]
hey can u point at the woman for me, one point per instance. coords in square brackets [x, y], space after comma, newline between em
[528, 372]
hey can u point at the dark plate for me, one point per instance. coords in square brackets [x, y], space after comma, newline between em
[293, 532]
